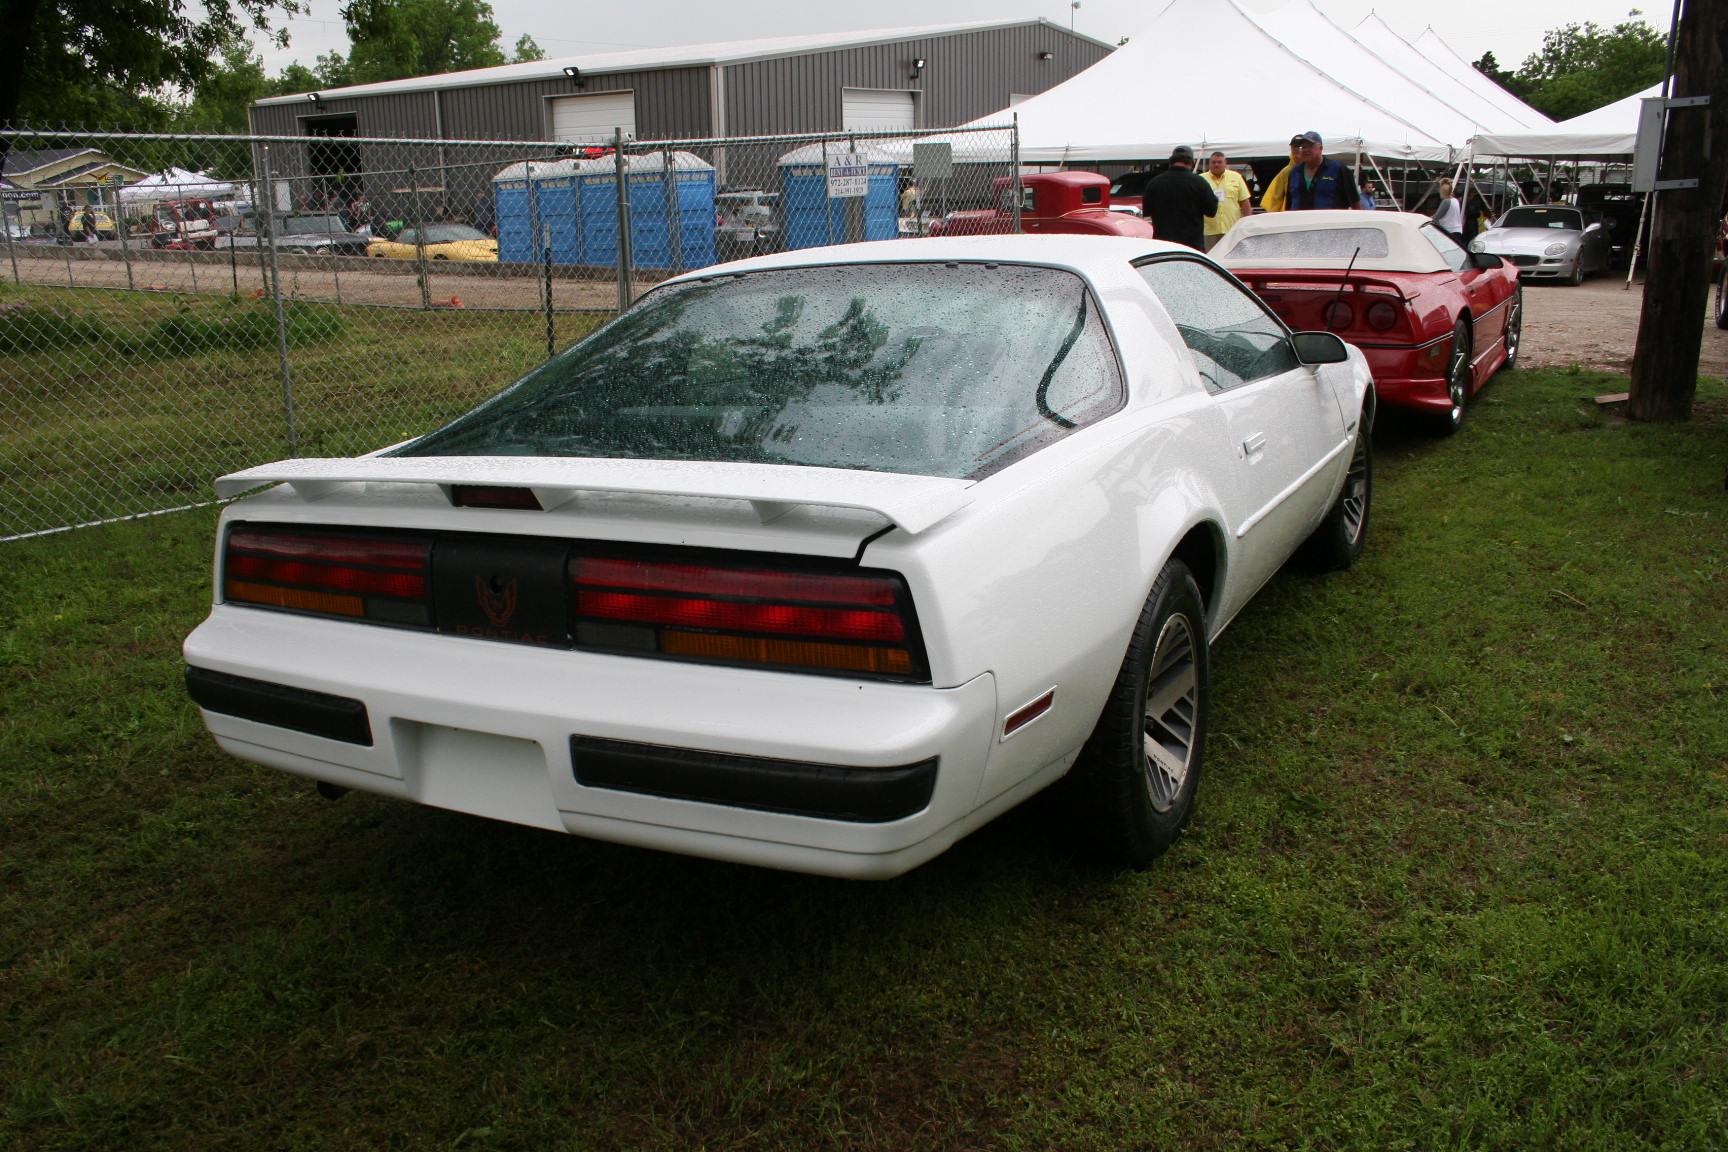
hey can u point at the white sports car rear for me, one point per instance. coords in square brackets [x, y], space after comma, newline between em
[816, 561]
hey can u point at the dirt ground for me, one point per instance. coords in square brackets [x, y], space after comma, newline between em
[1596, 325]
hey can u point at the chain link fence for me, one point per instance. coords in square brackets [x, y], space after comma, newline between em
[173, 308]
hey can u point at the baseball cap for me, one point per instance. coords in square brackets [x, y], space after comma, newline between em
[1182, 154]
[1306, 138]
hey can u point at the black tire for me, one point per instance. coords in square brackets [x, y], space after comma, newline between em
[1722, 300]
[1577, 276]
[1514, 329]
[1457, 380]
[440, 256]
[1133, 801]
[1339, 539]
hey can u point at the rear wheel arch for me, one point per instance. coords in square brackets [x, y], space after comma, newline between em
[1202, 550]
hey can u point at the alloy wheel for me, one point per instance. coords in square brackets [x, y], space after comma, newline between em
[1172, 709]
[1354, 504]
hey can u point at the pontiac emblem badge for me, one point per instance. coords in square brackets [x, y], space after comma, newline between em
[499, 604]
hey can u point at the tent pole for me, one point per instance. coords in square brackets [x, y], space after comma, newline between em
[1637, 241]
[1384, 183]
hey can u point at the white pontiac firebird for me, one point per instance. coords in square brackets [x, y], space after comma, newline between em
[817, 561]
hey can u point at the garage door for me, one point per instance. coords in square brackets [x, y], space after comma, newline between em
[877, 110]
[590, 119]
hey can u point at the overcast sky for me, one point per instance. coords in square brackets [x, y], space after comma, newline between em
[1511, 30]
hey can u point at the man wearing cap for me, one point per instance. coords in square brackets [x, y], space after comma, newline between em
[1178, 202]
[1231, 192]
[1316, 182]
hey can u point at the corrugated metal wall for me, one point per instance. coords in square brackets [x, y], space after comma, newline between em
[965, 76]
[671, 103]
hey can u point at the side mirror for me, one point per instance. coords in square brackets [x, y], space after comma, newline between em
[1596, 227]
[1485, 260]
[1319, 347]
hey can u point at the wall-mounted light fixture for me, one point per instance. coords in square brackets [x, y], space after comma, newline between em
[316, 99]
[1046, 55]
[917, 68]
[575, 75]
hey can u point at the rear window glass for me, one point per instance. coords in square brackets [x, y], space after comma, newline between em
[931, 369]
[309, 225]
[1314, 243]
[1543, 218]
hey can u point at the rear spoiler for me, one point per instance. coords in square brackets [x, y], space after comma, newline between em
[912, 503]
[1322, 280]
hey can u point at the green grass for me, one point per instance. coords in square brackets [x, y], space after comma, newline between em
[1459, 880]
[114, 403]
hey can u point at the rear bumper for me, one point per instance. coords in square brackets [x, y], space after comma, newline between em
[841, 777]
[1409, 377]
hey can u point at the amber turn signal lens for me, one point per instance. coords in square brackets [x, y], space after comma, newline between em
[302, 598]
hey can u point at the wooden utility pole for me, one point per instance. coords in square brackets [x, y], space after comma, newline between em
[1677, 277]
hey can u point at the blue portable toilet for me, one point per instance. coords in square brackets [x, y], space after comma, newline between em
[671, 210]
[813, 219]
[535, 202]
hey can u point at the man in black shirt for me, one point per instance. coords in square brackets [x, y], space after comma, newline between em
[1177, 202]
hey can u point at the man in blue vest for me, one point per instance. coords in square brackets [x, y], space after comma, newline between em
[1316, 182]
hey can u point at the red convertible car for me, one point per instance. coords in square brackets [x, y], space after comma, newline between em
[1434, 320]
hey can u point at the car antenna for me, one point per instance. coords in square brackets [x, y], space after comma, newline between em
[1341, 285]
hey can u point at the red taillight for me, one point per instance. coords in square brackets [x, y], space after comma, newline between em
[857, 623]
[1382, 316]
[1339, 316]
[736, 582]
[354, 576]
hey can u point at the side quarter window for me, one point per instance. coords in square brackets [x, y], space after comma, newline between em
[1456, 258]
[1235, 340]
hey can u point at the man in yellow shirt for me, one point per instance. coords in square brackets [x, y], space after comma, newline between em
[1232, 193]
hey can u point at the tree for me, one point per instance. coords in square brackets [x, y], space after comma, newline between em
[396, 39]
[1583, 66]
[116, 62]
[527, 50]
[1490, 68]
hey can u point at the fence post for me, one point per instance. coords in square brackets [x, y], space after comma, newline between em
[66, 250]
[546, 293]
[625, 294]
[121, 229]
[1014, 169]
[420, 241]
[10, 251]
[267, 233]
[674, 217]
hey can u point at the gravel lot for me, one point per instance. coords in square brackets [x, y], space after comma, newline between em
[1596, 325]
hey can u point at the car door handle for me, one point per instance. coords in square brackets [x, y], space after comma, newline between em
[1253, 445]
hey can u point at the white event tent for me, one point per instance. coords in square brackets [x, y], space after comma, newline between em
[1608, 131]
[1271, 76]
[1442, 56]
[1472, 93]
[176, 184]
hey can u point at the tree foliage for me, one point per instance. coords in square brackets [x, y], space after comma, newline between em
[117, 62]
[1584, 66]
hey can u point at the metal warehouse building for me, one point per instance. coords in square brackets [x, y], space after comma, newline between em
[899, 78]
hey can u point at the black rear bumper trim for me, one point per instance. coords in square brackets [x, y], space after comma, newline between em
[794, 787]
[316, 713]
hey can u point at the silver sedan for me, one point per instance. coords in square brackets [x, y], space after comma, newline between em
[1547, 242]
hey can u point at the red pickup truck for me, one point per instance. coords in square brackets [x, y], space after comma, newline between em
[1072, 202]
